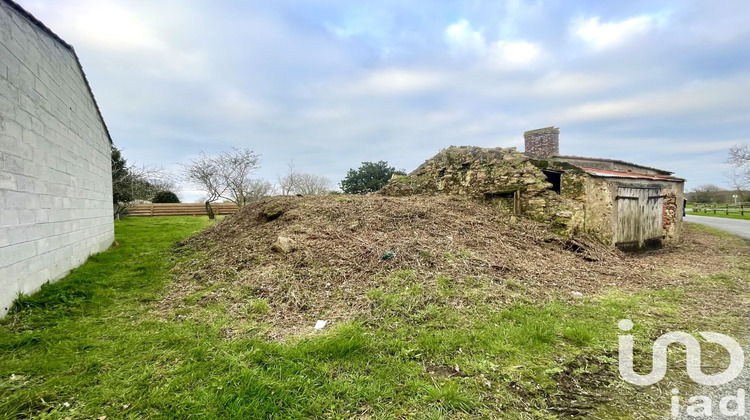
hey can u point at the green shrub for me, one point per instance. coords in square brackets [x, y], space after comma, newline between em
[165, 197]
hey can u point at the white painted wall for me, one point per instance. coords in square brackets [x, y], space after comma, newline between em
[55, 179]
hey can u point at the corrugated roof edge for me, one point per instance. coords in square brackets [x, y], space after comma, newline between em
[620, 174]
[67, 46]
[613, 161]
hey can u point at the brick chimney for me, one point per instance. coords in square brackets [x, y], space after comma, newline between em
[542, 143]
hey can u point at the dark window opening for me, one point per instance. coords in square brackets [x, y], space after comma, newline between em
[490, 196]
[510, 201]
[554, 179]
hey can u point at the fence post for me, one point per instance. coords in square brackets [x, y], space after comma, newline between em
[152, 209]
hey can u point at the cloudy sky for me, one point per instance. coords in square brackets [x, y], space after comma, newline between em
[332, 83]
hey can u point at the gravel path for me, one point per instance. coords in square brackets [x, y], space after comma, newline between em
[736, 226]
[741, 228]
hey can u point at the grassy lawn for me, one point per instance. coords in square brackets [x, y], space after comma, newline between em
[93, 345]
[734, 214]
[722, 215]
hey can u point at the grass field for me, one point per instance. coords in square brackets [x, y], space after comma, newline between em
[93, 345]
[722, 215]
[733, 214]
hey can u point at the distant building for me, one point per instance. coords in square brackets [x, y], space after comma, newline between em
[624, 204]
[55, 152]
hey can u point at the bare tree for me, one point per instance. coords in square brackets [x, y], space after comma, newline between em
[133, 183]
[149, 180]
[257, 189]
[738, 182]
[705, 193]
[165, 182]
[226, 176]
[203, 172]
[236, 167]
[301, 183]
[739, 154]
[739, 157]
[288, 182]
[310, 184]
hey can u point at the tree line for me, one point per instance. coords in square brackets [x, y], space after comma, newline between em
[738, 180]
[228, 176]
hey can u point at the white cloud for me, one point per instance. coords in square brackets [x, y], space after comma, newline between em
[463, 39]
[105, 25]
[706, 96]
[171, 64]
[605, 35]
[317, 115]
[394, 81]
[514, 53]
[662, 146]
[234, 105]
[701, 147]
[574, 84]
[102, 28]
[390, 81]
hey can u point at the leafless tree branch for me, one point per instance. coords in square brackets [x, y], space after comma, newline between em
[294, 182]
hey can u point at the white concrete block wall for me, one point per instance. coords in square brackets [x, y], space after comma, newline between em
[55, 179]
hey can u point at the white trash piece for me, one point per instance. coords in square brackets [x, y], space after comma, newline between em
[320, 324]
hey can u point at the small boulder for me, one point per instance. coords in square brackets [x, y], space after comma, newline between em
[283, 245]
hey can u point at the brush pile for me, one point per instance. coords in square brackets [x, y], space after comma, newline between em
[317, 257]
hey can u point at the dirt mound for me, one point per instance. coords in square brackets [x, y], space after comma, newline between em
[290, 261]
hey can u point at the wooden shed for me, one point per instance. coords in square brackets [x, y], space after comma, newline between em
[630, 205]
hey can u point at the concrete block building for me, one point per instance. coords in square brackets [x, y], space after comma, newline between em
[55, 152]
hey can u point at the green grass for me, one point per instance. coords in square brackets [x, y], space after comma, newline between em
[722, 215]
[734, 214]
[93, 345]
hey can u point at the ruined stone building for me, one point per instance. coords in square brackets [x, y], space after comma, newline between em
[620, 203]
[55, 171]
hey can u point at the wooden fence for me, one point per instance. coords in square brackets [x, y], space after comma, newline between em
[740, 208]
[180, 209]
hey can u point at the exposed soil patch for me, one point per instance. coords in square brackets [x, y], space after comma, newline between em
[341, 247]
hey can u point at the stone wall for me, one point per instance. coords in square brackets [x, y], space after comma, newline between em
[601, 217]
[505, 178]
[669, 214]
[672, 219]
[55, 180]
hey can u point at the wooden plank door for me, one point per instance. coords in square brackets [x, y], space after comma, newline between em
[652, 226]
[639, 215]
[628, 216]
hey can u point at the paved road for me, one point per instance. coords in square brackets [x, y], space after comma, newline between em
[736, 226]
[741, 228]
